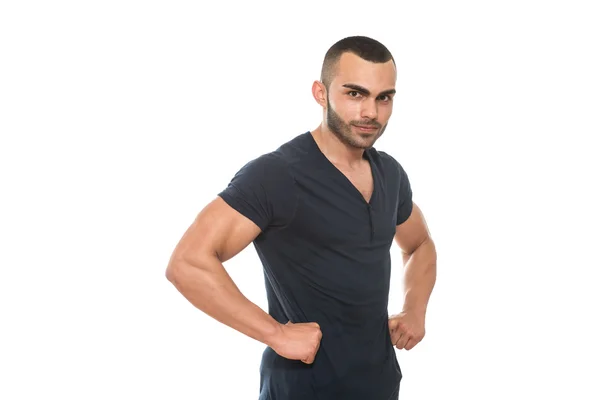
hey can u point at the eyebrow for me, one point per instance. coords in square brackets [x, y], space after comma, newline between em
[365, 91]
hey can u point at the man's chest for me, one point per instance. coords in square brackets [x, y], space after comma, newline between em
[361, 179]
[349, 213]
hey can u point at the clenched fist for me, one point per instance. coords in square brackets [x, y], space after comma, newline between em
[298, 341]
[407, 329]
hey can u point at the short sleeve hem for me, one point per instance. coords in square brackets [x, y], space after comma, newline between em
[404, 212]
[263, 191]
[238, 205]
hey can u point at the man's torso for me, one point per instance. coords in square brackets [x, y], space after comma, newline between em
[330, 264]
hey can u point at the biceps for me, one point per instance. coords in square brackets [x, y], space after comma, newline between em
[413, 232]
[218, 231]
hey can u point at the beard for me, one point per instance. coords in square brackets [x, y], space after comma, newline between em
[343, 131]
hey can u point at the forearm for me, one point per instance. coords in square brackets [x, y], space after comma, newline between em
[419, 276]
[210, 288]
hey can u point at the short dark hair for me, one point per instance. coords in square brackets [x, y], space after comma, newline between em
[366, 48]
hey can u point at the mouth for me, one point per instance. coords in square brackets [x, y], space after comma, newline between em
[366, 128]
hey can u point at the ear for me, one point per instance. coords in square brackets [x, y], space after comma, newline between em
[320, 93]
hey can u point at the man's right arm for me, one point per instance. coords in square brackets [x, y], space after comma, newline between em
[196, 269]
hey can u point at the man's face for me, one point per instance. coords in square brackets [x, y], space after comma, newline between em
[359, 100]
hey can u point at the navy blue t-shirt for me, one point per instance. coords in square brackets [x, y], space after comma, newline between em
[326, 257]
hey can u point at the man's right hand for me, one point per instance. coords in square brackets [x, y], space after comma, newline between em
[298, 341]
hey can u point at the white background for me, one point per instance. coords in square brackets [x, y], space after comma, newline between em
[120, 120]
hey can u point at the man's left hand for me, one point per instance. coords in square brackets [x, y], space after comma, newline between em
[407, 329]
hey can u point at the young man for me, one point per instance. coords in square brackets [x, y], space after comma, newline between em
[322, 211]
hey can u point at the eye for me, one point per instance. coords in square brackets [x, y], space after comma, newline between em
[385, 97]
[354, 93]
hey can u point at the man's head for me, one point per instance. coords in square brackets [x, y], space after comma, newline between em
[358, 80]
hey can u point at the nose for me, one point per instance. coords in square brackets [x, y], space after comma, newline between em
[369, 109]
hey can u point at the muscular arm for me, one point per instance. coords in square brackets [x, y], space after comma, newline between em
[196, 270]
[420, 258]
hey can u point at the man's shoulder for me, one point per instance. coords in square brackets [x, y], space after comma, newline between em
[286, 153]
[296, 146]
[278, 160]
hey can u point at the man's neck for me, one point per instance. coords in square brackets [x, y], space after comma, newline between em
[335, 150]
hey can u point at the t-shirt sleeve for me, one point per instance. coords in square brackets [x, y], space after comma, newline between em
[405, 201]
[263, 191]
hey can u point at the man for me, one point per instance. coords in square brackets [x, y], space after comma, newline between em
[322, 211]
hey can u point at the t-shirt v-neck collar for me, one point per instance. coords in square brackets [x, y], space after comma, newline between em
[320, 156]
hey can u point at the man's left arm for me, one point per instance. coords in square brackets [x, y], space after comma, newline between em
[420, 263]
